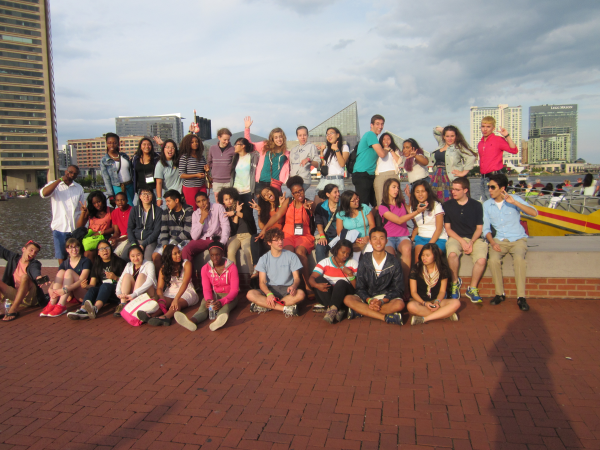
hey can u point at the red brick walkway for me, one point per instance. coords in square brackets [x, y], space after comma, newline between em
[499, 378]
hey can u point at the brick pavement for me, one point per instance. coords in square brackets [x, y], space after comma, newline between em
[497, 379]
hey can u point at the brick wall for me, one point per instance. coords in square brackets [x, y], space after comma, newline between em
[553, 288]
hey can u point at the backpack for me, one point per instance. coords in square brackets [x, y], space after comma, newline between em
[352, 159]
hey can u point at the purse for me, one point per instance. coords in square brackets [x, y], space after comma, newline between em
[91, 242]
[141, 303]
[275, 183]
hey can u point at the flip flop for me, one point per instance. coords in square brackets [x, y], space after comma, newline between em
[156, 322]
[13, 315]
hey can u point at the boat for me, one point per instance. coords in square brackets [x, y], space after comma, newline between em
[563, 214]
[523, 177]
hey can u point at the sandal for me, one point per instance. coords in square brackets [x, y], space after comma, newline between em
[143, 316]
[13, 315]
[157, 322]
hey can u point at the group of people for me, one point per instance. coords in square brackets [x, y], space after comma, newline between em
[368, 261]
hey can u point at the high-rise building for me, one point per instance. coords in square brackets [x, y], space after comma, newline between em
[550, 148]
[168, 126]
[28, 142]
[66, 156]
[91, 151]
[205, 126]
[345, 120]
[509, 117]
[554, 120]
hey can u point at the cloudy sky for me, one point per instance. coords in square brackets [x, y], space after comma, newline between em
[292, 62]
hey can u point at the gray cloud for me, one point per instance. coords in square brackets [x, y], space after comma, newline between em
[343, 43]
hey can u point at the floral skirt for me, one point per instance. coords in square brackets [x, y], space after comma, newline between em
[440, 183]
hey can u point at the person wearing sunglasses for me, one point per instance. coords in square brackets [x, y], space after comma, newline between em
[20, 279]
[503, 212]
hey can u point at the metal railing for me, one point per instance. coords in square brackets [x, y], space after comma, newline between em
[564, 201]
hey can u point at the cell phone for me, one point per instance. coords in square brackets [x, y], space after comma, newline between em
[278, 301]
[42, 280]
[421, 205]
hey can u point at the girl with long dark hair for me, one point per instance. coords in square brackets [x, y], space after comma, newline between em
[174, 287]
[144, 163]
[192, 168]
[428, 283]
[243, 169]
[354, 216]
[325, 219]
[138, 277]
[453, 158]
[430, 223]
[415, 163]
[100, 221]
[166, 171]
[388, 166]
[241, 224]
[333, 158]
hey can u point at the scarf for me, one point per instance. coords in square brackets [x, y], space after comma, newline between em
[431, 279]
[409, 163]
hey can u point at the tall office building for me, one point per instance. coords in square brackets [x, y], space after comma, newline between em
[509, 117]
[550, 148]
[205, 126]
[28, 142]
[66, 156]
[553, 121]
[345, 120]
[168, 126]
[90, 151]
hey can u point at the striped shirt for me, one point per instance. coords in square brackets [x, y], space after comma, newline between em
[333, 274]
[191, 165]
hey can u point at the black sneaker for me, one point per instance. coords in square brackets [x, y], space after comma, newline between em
[498, 299]
[522, 302]
[80, 314]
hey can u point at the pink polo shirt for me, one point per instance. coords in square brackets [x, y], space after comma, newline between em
[490, 153]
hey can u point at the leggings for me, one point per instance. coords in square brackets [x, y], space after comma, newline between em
[335, 295]
[106, 293]
[202, 313]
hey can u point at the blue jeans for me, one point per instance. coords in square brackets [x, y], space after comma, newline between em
[60, 239]
[485, 194]
[394, 241]
[321, 252]
[106, 293]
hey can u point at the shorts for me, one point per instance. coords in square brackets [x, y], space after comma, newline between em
[308, 242]
[441, 243]
[159, 248]
[378, 297]
[394, 241]
[29, 300]
[218, 187]
[278, 291]
[60, 239]
[480, 248]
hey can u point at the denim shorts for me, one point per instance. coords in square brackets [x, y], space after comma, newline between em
[394, 241]
[441, 243]
[60, 239]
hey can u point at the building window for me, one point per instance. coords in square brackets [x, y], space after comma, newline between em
[25, 163]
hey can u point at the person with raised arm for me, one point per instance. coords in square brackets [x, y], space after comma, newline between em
[279, 278]
[415, 164]
[67, 284]
[273, 168]
[368, 152]
[379, 284]
[334, 156]
[491, 149]
[463, 220]
[428, 282]
[21, 279]
[192, 168]
[117, 170]
[453, 158]
[66, 198]
[220, 285]
[166, 172]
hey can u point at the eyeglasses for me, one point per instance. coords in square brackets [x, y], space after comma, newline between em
[331, 133]
[102, 249]
[493, 188]
[299, 191]
[145, 194]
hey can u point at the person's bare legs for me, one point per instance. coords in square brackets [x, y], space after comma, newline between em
[303, 256]
[447, 307]
[355, 303]
[418, 249]
[405, 249]
[157, 260]
[256, 296]
[453, 260]
[478, 270]
[70, 277]
[24, 288]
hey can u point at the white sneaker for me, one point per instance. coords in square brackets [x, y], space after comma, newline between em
[218, 322]
[186, 323]
[290, 311]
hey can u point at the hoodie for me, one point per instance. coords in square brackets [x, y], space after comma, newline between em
[173, 231]
[226, 283]
[142, 231]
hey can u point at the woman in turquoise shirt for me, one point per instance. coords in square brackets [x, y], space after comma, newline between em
[354, 216]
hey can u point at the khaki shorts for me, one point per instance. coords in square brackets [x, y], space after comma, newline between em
[480, 248]
[29, 300]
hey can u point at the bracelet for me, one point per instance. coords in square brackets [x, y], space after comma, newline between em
[352, 278]
[159, 198]
[270, 293]
[369, 300]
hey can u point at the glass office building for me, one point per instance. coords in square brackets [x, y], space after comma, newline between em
[169, 126]
[28, 143]
[346, 121]
[553, 120]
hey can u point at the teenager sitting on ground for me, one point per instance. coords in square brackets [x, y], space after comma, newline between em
[143, 227]
[138, 278]
[100, 220]
[174, 287]
[298, 237]
[220, 285]
[102, 286]
[19, 278]
[428, 283]
[241, 223]
[279, 278]
[176, 226]
[120, 220]
[379, 284]
[67, 284]
[333, 278]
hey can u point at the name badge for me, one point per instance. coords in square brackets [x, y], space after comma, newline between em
[150, 179]
[298, 230]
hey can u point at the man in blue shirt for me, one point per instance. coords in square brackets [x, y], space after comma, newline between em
[369, 149]
[503, 212]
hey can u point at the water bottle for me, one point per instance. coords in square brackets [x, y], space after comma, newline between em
[7, 305]
[212, 313]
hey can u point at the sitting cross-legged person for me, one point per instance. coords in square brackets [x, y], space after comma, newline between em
[279, 278]
[379, 283]
[220, 285]
[428, 283]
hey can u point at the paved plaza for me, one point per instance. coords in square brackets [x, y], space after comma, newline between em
[497, 379]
